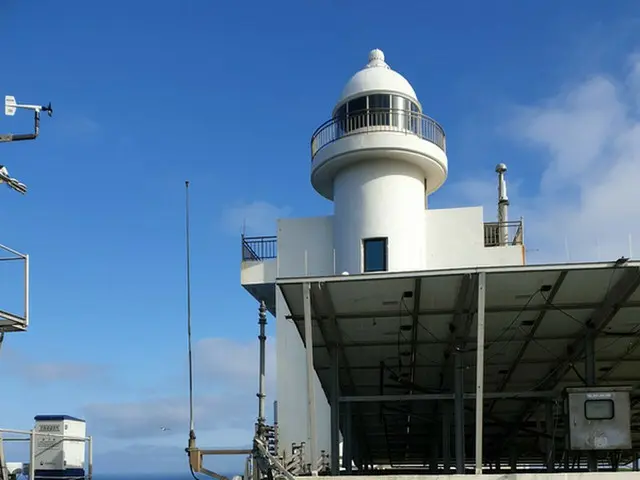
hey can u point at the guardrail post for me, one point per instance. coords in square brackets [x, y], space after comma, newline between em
[90, 455]
[32, 454]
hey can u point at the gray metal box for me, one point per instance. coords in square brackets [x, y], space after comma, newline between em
[599, 418]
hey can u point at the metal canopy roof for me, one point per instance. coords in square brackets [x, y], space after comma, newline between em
[396, 333]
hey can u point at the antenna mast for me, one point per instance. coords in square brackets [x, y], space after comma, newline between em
[192, 434]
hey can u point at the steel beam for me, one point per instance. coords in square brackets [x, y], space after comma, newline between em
[419, 397]
[311, 397]
[335, 414]
[610, 305]
[386, 314]
[532, 332]
[417, 290]
[458, 406]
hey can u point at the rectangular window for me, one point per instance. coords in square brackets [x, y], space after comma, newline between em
[598, 409]
[379, 106]
[375, 254]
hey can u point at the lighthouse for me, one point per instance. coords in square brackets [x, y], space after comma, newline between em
[378, 158]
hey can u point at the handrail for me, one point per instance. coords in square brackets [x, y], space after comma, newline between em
[259, 248]
[493, 236]
[378, 120]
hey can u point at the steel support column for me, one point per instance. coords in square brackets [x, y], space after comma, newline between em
[347, 439]
[446, 437]
[459, 411]
[335, 412]
[482, 280]
[590, 377]
[311, 398]
[550, 430]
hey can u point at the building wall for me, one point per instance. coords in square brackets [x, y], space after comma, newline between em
[305, 247]
[291, 381]
[455, 239]
[380, 198]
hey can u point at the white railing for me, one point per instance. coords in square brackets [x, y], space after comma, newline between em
[29, 469]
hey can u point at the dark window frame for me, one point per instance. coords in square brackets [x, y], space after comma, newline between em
[600, 400]
[385, 254]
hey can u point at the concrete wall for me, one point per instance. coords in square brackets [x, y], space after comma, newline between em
[305, 247]
[291, 381]
[455, 239]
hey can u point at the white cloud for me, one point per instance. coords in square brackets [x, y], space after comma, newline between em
[255, 218]
[587, 139]
[225, 402]
[30, 370]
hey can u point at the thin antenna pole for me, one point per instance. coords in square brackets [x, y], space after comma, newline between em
[188, 251]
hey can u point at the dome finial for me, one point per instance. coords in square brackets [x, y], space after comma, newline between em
[376, 58]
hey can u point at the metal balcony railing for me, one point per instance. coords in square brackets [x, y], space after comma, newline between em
[378, 120]
[514, 233]
[259, 248]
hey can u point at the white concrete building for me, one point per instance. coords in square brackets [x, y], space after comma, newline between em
[378, 158]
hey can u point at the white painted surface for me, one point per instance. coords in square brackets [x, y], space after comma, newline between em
[455, 239]
[291, 377]
[371, 145]
[382, 198]
[258, 272]
[305, 246]
[376, 76]
[57, 453]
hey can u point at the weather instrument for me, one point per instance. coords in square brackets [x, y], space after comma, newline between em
[11, 106]
[10, 109]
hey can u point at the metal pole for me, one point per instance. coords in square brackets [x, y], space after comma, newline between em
[551, 445]
[335, 413]
[32, 455]
[590, 377]
[26, 290]
[446, 437]
[459, 411]
[347, 451]
[90, 455]
[262, 337]
[311, 399]
[192, 433]
[482, 280]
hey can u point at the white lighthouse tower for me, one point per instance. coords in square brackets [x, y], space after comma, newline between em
[378, 158]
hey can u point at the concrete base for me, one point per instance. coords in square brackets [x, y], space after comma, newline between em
[505, 476]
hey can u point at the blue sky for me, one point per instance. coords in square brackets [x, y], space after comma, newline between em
[227, 95]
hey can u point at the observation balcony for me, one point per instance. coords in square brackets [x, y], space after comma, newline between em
[405, 135]
[408, 122]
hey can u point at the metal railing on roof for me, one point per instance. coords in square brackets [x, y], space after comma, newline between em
[259, 248]
[492, 234]
[378, 120]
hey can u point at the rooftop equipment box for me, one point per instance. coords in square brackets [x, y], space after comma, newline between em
[599, 418]
[54, 455]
